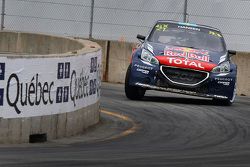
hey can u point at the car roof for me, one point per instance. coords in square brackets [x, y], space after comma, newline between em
[188, 24]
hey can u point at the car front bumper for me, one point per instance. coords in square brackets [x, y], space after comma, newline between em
[148, 76]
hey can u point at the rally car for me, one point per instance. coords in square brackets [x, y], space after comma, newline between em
[182, 58]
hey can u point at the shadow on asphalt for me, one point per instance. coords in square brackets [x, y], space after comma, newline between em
[181, 100]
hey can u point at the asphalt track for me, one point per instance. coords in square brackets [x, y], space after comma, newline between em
[170, 130]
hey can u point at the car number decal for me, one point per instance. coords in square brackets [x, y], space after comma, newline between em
[161, 27]
[215, 34]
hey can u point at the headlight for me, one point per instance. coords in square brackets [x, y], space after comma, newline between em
[148, 57]
[222, 68]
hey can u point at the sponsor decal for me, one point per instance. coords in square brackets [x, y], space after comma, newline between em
[142, 71]
[222, 58]
[2, 71]
[56, 85]
[67, 70]
[187, 24]
[59, 95]
[143, 67]
[221, 97]
[30, 93]
[188, 53]
[60, 70]
[222, 74]
[93, 65]
[66, 94]
[184, 63]
[63, 70]
[1, 96]
[224, 81]
[189, 28]
[2, 74]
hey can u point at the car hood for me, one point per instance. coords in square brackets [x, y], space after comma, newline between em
[184, 57]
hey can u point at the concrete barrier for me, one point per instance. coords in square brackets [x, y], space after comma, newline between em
[118, 54]
[49, 86]
[243, 78]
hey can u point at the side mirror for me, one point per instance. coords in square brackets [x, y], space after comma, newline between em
[141, 37]
[231, 53]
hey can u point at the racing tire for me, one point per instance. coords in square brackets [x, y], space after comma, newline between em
[133, 92]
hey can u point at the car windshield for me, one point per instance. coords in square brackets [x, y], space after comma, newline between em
[187, 36]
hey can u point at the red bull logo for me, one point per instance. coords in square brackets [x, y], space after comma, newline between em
[188, 53]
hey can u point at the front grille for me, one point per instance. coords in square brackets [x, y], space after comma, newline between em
[184, 76]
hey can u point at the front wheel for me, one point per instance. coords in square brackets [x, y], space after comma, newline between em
[133, 92]
[226, 102]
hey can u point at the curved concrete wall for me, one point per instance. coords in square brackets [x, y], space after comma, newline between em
[49, 86]
[27, 43]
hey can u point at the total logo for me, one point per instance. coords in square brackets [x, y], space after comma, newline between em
[185, 63]
[2, 74]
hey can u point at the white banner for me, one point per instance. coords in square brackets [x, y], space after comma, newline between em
[45, 86]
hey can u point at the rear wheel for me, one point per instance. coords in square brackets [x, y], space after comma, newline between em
[133, 92]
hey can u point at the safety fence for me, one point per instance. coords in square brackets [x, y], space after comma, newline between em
[123, 20]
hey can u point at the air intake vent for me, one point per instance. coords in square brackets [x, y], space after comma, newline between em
[184, 76]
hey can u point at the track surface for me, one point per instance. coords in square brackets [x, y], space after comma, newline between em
[175, 131]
